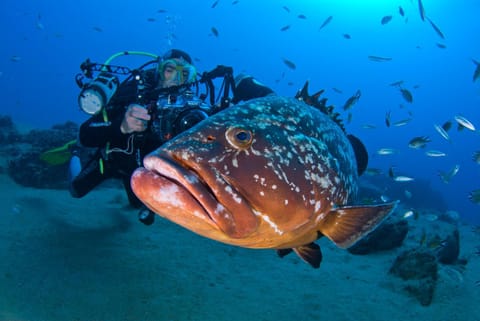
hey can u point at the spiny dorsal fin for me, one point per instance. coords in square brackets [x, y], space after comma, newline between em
[320, 104]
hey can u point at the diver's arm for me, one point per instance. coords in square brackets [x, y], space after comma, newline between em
[116, 129]
[96, 132]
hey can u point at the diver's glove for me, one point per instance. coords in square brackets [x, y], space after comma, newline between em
[247, 87]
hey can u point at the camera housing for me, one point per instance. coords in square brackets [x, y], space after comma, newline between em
[175, 114]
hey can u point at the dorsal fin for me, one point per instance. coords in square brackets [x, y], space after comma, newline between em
[361, 154]
[321, 104]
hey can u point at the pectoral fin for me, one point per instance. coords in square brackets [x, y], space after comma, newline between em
[310, 253]
[347, 225]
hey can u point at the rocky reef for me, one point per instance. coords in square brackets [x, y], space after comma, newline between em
[419, 270]
[22, 153]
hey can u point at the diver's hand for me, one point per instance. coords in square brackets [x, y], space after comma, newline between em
[135, 120]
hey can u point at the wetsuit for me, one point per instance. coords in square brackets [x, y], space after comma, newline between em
[115, 155]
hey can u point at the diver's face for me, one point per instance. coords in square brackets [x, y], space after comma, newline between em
[173, 73]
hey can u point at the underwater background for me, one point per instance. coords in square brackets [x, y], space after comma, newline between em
[64, 261]
[45, 42]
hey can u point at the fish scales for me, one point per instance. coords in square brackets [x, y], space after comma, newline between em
[271, 172]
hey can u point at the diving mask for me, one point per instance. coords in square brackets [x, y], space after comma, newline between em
[174, 72]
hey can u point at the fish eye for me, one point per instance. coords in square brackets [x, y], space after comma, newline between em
[240, 138]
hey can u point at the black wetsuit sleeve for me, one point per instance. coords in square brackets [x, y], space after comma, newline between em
[96, 132]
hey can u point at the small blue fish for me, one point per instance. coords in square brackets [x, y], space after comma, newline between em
[386, 20]
[326, 22]
[476, 74]
[214, 31]
[290, 64]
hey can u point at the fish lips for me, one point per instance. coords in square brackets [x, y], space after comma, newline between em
[176, 191]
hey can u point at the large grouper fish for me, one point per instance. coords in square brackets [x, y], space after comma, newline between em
[273, 172]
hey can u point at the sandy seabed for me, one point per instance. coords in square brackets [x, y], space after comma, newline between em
[90, 259]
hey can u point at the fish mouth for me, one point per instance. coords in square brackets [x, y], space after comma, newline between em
[165, 167]
[206, 194]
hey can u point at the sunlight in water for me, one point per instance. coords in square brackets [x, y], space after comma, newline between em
[374, 7]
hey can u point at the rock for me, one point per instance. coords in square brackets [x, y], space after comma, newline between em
[449, 250]
[387, 236]
[422, 290]
[58, 135]
[25, 166]
[28, 170]
[419, 271]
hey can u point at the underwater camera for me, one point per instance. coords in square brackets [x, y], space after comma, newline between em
[174, 114]
[95, 95]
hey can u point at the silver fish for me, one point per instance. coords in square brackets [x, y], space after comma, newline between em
[435, 153]
[419, 142]
[464, 122]
[476, 157]
[446, 177]
[352, 100]
[402, 122]
[402, 178]
[408, 214]
[442, 132]
[386, 151]
[270, 173]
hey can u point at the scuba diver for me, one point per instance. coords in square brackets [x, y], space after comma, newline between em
[132, 118]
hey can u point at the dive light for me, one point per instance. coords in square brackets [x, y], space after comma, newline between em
[97, 94]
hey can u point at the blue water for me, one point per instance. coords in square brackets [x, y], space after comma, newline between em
[44, 42]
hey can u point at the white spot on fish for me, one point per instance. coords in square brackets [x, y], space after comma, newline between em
[169, 195]
[235, 197]
[267, 220]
